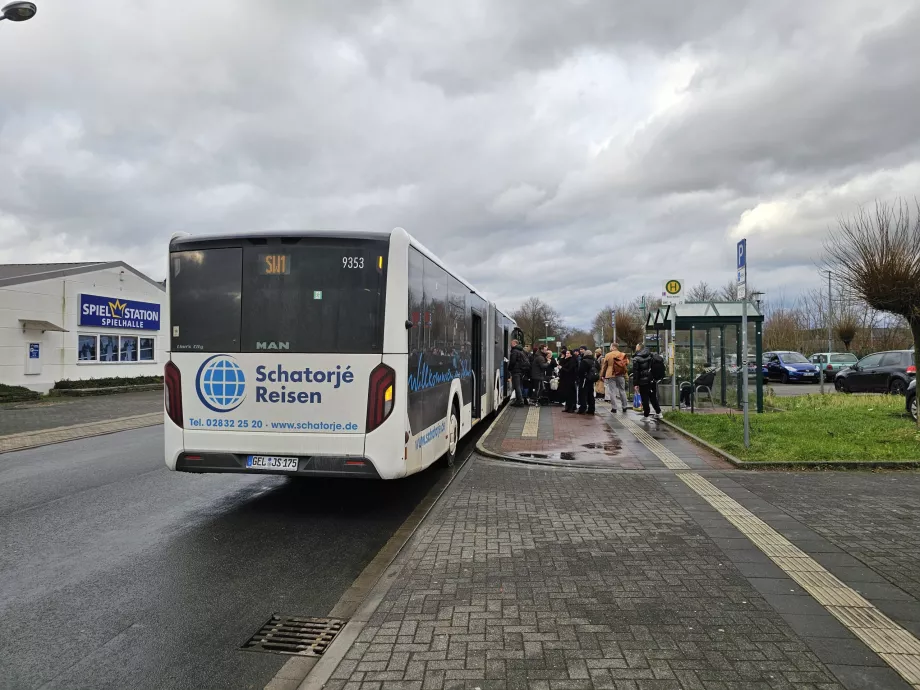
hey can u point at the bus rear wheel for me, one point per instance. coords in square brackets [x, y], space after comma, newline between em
[453, 436]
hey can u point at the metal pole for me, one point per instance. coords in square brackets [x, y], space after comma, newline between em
[744, 370]
[672, 355]
[830, 316]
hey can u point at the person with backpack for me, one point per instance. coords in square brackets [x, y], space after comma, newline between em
[588, 376]
[648, 369]
[613, 374]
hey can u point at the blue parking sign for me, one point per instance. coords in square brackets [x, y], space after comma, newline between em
[742, 254]
[34, 350]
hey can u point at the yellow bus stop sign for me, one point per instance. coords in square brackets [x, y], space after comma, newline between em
[673, 287]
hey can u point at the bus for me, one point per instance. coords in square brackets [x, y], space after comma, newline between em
[318, 353]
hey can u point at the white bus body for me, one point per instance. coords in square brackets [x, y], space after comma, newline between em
[324, 353]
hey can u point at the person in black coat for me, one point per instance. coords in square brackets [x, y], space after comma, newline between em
[586, 367]
[538, 368]
[567, 376]
[643, 382]
[518, 367]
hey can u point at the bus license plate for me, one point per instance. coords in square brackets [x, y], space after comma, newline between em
[270, 462]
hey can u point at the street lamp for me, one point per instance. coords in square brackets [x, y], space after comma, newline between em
[546, 332]
[18, 11]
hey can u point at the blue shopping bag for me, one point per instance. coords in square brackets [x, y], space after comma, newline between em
[637, 401]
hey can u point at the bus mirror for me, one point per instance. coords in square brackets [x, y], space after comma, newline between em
[408, 324]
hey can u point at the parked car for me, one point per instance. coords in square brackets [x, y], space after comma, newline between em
[833, 362]
[881, 372]
[787, 367]
[911, 400]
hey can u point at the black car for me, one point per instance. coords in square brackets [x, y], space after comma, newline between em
[882, 372]
[911, 402]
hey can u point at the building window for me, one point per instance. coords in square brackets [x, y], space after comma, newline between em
[87, 348]
[108, 348]
[148, 349]
[114, 348]
[127, 351]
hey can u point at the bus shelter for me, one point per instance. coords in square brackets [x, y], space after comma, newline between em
[708, 335]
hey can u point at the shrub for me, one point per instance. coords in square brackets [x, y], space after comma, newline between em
[110, 382]
[17, 394]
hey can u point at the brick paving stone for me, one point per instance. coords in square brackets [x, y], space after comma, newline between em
[874, 517]
[526, 577]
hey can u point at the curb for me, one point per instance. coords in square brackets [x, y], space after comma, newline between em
[795, 464]
[61, 434]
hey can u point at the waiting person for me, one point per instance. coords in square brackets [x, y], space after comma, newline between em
[518, 367]
[567, 379]
[586, 373]
[644, 382]
[598, 363]
[538, 368]
[613, 374]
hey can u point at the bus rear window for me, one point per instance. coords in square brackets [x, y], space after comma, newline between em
[205, 300]
[319, 295]
[315, 295]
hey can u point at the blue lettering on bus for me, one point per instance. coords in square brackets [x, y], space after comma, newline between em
[430, 435]
[284, 396]
[424, 377]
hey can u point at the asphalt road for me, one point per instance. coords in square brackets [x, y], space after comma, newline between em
[116, 573]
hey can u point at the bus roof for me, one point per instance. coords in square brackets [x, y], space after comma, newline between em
[179, 240]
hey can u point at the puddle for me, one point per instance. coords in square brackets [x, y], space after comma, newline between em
[533, 455]
[609, 446]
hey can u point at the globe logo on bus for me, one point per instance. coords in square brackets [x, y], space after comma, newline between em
[221, 384]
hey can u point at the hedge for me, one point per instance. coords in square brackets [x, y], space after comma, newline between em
[111, 382]
[17, 394]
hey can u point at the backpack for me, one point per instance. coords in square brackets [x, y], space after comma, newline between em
[593, 376]
[658, 368]
[618, 367]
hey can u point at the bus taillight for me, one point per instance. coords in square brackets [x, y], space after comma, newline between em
[380, 396]
[173, 382]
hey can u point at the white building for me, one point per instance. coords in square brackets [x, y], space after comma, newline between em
[79, 321]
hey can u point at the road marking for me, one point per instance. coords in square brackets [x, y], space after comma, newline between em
[671, 461]
[891, 642]
[532, 423]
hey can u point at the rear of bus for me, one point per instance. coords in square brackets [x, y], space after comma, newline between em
[276, 359]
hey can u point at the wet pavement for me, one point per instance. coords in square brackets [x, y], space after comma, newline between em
[50, 413]
[116, 573]
[549, 436]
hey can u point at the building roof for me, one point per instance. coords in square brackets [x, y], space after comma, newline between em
[16, 274]
[18, 270]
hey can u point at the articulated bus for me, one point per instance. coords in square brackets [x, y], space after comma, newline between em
[325, 353]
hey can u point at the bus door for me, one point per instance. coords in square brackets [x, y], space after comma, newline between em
[476, 365]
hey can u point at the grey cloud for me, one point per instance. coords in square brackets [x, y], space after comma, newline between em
[529, 144]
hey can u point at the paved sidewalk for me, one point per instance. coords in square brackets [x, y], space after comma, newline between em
[17, 418]
[549, 436]
[684, 577]
[34, 424]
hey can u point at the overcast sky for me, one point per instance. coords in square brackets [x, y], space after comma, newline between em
[583, 151]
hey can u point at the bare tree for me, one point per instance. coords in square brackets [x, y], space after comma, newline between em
[877, 256]
[729, 292]
[783, 330]
[577, 338]
[702, 292]
[603, 323]
[532, 317]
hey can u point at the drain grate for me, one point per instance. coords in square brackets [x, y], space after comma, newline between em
[297, 636]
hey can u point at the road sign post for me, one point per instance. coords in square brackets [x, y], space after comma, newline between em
[742, 294]
[673, 293]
